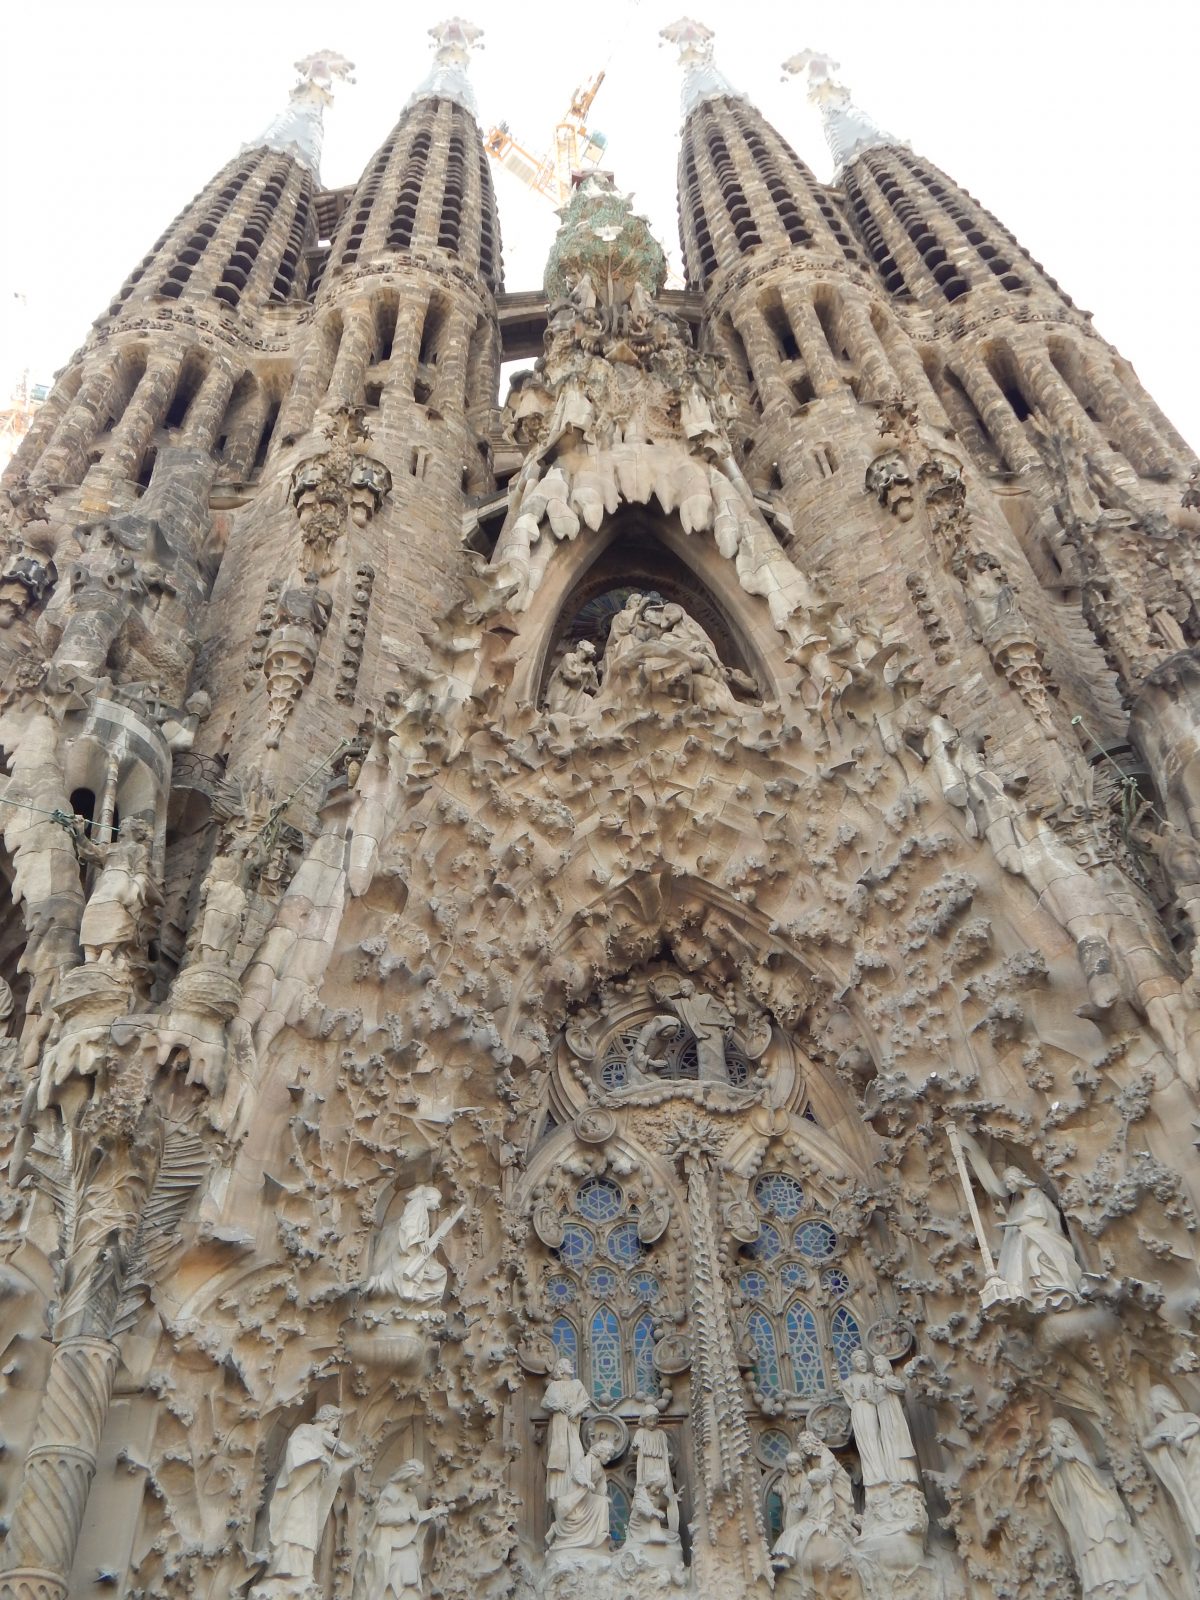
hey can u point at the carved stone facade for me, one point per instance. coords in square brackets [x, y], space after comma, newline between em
[599, 995]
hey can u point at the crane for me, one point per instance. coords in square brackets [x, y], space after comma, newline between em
[576, 148]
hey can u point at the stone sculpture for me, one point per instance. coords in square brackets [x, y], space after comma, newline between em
[705, 1017]
[655, 1518]
[575, 682]
[1036, 1258]
[1173, 1449]
[581, 1507]
[391, 1568]
[114, 929]
[314, 1462]
[405, 1267]
[819, 1523]
[891, 1480]
[1104, 1547]
[567, 1401]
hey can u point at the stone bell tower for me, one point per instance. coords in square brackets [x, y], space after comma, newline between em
[600, 995]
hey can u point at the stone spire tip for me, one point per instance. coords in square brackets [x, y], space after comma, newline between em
[453, 41]
[299, 128]
[702, 80]
[848, 129]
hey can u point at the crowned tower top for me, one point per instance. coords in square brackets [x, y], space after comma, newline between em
[447, 78]
[299, 130]
[702, 79]
[848, 129]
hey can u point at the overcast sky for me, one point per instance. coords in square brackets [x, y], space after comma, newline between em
[1072, 120]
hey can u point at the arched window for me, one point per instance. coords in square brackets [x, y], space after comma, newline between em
[601, 1291]
[792, 1288]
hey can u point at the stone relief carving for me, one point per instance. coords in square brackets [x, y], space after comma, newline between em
[392, 1564]
[1107, 1553]
[314, 1461]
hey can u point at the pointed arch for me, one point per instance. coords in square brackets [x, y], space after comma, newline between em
[638, 547]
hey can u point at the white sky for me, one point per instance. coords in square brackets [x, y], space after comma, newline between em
[1072, 120]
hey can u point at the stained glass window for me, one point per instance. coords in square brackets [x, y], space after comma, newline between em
[804, 1347]
[560, 1291]
[753, 1285]
[794, 1275]
[618, 1511]
[624, 1246]
[816, 1240]
[846, 1339]
[602, 1281]
[598, 1200]
[645, 1287]
[645, 1380]
[773, 1515]
[577, 1247]
[566, 1342]
[766, 1367]
[606, 1356]
[767, 1246]
[779, 1194]
[836, 1282]
[774, 1446]
[613, 1073]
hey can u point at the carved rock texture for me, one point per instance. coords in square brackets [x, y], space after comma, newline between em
[683, 885]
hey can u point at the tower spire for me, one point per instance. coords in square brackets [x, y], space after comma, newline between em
[702, 79]
[447, 79]
[848, 128]
[299, 129]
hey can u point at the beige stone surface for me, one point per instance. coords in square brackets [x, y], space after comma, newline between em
[599, 994]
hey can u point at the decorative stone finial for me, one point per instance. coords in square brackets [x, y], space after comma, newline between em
[604, 240]
[848, 129]
[453, 40]
[299, 129]
[701, 78]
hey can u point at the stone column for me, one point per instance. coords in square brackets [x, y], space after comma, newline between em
[312, 377]
[347, 384]
[997, 416]
[243, 432]
[40, 1548]
[1139, 441]
[147, 407]
[202, 425]
[822, 369]
[65, 460]
[764, 360]
[879, 380]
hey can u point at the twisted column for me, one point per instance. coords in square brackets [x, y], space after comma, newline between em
[59, 1469]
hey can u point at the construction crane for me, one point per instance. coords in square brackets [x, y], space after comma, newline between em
[576, 148]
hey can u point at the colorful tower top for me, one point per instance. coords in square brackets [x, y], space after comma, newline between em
[702, 79]
[848, 129]
[447, 78]
[299, 128]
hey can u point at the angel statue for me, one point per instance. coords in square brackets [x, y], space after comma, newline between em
[405, 1266]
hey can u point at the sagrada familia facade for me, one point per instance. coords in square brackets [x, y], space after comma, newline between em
[601, 994]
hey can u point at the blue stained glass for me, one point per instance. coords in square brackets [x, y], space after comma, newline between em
[598, 1199]
[602, 1281]
[577, 1247]
[618, 1511]
[753, 1285]
[560, 1291]
[766, 1367]
[774, 1446]
[606, 1356]
[565, 1341]
[767, 1246]
[645, 1380]
[778, 1194]
[795, 1276]
[737, 1069]
[645, 1286]
[613, 1073]
[836, 1282]
[816, 1240]
[804, 1346]
[623, 1245]
[846, 1339]
[773, 1515]
[810, 1115]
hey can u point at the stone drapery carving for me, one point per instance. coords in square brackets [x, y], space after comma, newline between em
[891, 1481]
[657, 653]
[654, 1518]
[819, 1521]
[1173, 1449]
[314, 1461]
[575, 682]
[567, 1401]
[406, 1269]
[1104, 1547]
[392, 1565]
[581, 1507]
